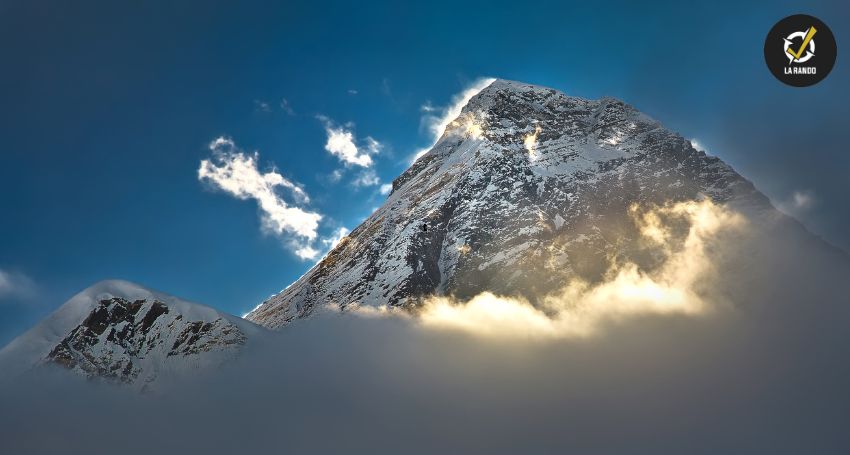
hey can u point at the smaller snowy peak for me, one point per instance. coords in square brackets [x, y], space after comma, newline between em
[122, 332]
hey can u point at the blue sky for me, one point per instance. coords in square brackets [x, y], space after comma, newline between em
[108, 111]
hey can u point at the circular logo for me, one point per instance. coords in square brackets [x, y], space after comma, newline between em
[800, 50]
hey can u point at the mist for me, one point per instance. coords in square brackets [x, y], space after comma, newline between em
[765, 370]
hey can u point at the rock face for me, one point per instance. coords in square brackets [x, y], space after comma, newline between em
[526, 189]
[121, 332]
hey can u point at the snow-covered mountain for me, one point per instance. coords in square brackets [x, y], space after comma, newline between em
[527, 188]
[120, 331]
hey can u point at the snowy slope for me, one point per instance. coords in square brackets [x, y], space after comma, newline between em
[527, 188]
[120, 331]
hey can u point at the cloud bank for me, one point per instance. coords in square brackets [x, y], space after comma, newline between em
[579, 309]
[757, 364]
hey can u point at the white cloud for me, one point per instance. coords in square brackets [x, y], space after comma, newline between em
[803, 200]
[342, 144]
[222, 144]
[15, 284]
[310, 252]
[374, 147]
[436, 124]
[386, 188]
[798, 203]
[366, 178]
[284, 104]
[306, 252]
[352, 91]
[5, 284]
[337, 236]
[262, 106]
[235, 172]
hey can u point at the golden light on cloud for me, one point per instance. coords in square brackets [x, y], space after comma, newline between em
[581, 309]
[530, 142]
[470, 124]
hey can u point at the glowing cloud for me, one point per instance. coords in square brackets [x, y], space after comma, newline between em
[436, 124]
[469, 124]
[530, 142]
[236, 173]
[580, 309]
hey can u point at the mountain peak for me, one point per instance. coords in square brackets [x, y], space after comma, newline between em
[121, 331]
[511, 85]
[527, 189]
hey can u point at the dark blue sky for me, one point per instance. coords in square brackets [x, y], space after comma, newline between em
[108, 108]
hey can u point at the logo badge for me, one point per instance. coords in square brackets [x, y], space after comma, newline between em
[800, 50]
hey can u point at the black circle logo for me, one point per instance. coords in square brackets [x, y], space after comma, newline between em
[800, 50]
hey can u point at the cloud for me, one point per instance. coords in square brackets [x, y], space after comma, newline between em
[341, 143]
[367, 177]
[436, 120]
[284, 105]
[328, 243]
[766, 373]
[262, 106]
[236, 173]
[335, 176]
[768, 377]
[335, 238]
[579, 309]
[798, 203]
[305, 251]
[803, 200]
[15, 284]
[374, 147]
[386, 188]
[530, 142]
[352, 91]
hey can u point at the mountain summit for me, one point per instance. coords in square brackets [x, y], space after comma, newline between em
[525, 190]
